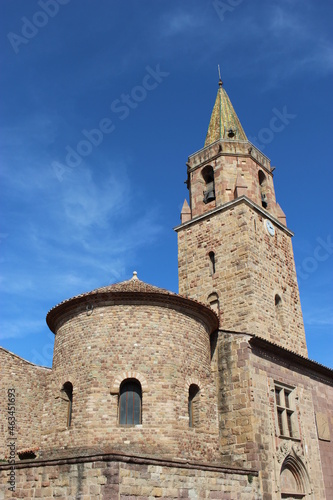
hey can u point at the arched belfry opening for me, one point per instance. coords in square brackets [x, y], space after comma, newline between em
[209, 191]
[213, 301]
[263, 188]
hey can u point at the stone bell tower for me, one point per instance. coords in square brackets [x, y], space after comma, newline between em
[234, 247]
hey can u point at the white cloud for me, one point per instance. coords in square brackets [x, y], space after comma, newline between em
[20, 328]
[179, 23]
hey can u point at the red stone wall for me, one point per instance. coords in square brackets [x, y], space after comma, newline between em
[312, 392]
[322, 396]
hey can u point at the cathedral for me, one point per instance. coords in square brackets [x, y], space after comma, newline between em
[205, 394]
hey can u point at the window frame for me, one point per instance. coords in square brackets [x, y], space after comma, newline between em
[212, 263]
[285, 411]
[193, 406]
[132, 385]
[68, 389]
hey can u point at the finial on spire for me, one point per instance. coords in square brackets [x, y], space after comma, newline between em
[220, 79]
[135, 275]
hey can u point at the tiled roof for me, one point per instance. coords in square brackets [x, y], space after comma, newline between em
[286, 353]
[223, 120]
[132, 285]
[126, 289]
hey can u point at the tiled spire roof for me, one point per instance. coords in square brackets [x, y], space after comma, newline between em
[224, 123]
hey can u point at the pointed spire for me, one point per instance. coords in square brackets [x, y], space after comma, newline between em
[224, 123]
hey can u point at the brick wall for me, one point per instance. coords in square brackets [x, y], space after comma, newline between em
[251, 267]
[112, 480]
[311, 393]
[29, 382]
[165, 348]
[233, 167]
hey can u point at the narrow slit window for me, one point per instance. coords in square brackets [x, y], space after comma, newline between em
[68, 392]
[212, 268]
[193, 405]
[279, 309]
[285, 411]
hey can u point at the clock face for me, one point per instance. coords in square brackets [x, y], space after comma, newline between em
[270, 228]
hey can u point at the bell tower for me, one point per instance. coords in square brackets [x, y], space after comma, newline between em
[234, 247]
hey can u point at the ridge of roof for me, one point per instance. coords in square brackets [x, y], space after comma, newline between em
[258, 341]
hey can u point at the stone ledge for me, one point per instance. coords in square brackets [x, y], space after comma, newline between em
[131, 459]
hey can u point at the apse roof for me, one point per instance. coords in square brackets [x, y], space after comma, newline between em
[127, 289]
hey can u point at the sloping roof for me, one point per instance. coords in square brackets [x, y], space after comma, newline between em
[292, 356]
[129, 290]
[224, 123]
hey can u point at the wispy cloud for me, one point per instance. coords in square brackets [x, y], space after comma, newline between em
[179, 22]
[20, 328]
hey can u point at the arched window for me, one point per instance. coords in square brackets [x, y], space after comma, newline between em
[278, 301]
[208, 176]
[279, 308]
[263, 188]
[211, 256]
[68, 396]
[213, 301]
[193, 405]
[130, 402]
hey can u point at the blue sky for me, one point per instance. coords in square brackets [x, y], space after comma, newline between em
[145, 75]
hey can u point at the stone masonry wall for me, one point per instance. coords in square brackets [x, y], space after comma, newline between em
[28, 382]
[249, 430]
[311, 394]
[322, 396]
[237, 437]
[166, 349]
[114, 480]
[251, 267]
[230, 170]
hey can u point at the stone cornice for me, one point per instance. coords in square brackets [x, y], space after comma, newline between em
[227, 147]
[231, 204]
[132, 459]
[89, 301]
